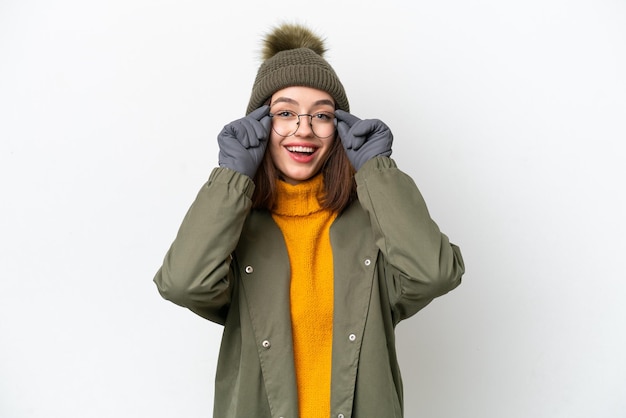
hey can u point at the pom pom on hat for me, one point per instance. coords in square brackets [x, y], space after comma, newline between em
[294, 56]
[288, 37]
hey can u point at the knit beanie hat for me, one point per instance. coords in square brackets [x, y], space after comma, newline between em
[293, 56]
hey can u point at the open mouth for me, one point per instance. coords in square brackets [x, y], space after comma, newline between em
[301, 150]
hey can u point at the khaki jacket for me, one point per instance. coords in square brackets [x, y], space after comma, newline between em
[229, 264]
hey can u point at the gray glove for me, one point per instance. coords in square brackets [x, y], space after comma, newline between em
[242, 142]
[363, 139]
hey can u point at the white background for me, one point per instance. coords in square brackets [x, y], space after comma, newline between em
[510, 116]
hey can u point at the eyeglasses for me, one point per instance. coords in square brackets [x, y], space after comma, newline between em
[286, 123]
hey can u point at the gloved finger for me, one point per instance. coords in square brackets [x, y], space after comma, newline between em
[231, 132]
[254, 132]
[358, 142]
[237, 130]
[346, 117]
[348, 139]
[366, 127]
[260, 112]
[230, 147]
[344, 133]
[266, 122]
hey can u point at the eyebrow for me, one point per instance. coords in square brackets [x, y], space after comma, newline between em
[294, 102]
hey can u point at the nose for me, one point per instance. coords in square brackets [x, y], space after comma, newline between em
[305, 125]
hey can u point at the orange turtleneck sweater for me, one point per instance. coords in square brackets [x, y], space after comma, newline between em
[305, 226]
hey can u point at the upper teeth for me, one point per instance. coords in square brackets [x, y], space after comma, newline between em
[300, 149]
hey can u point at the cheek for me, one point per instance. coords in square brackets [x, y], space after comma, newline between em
[328, 144]
[275, 140]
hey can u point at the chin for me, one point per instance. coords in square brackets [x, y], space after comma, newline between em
[299, 176]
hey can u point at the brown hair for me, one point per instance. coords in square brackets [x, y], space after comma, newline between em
[339, 183]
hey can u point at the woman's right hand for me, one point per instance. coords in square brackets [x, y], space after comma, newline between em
[242, 142]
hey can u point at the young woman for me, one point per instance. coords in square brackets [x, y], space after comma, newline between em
[309, 245]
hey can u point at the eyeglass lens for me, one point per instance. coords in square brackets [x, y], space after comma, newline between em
[287, 123]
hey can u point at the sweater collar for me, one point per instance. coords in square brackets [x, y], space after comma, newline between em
[301, 199]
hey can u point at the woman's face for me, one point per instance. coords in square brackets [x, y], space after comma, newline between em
[300, 156]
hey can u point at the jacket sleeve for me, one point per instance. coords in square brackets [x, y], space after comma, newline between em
[195, 271]
[420, 262]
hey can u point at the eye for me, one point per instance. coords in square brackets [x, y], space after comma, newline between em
[323, 117]
[285, 114]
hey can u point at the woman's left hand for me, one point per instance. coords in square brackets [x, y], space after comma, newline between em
[363, 139]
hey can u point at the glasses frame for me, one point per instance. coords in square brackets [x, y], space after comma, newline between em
[271, 115]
